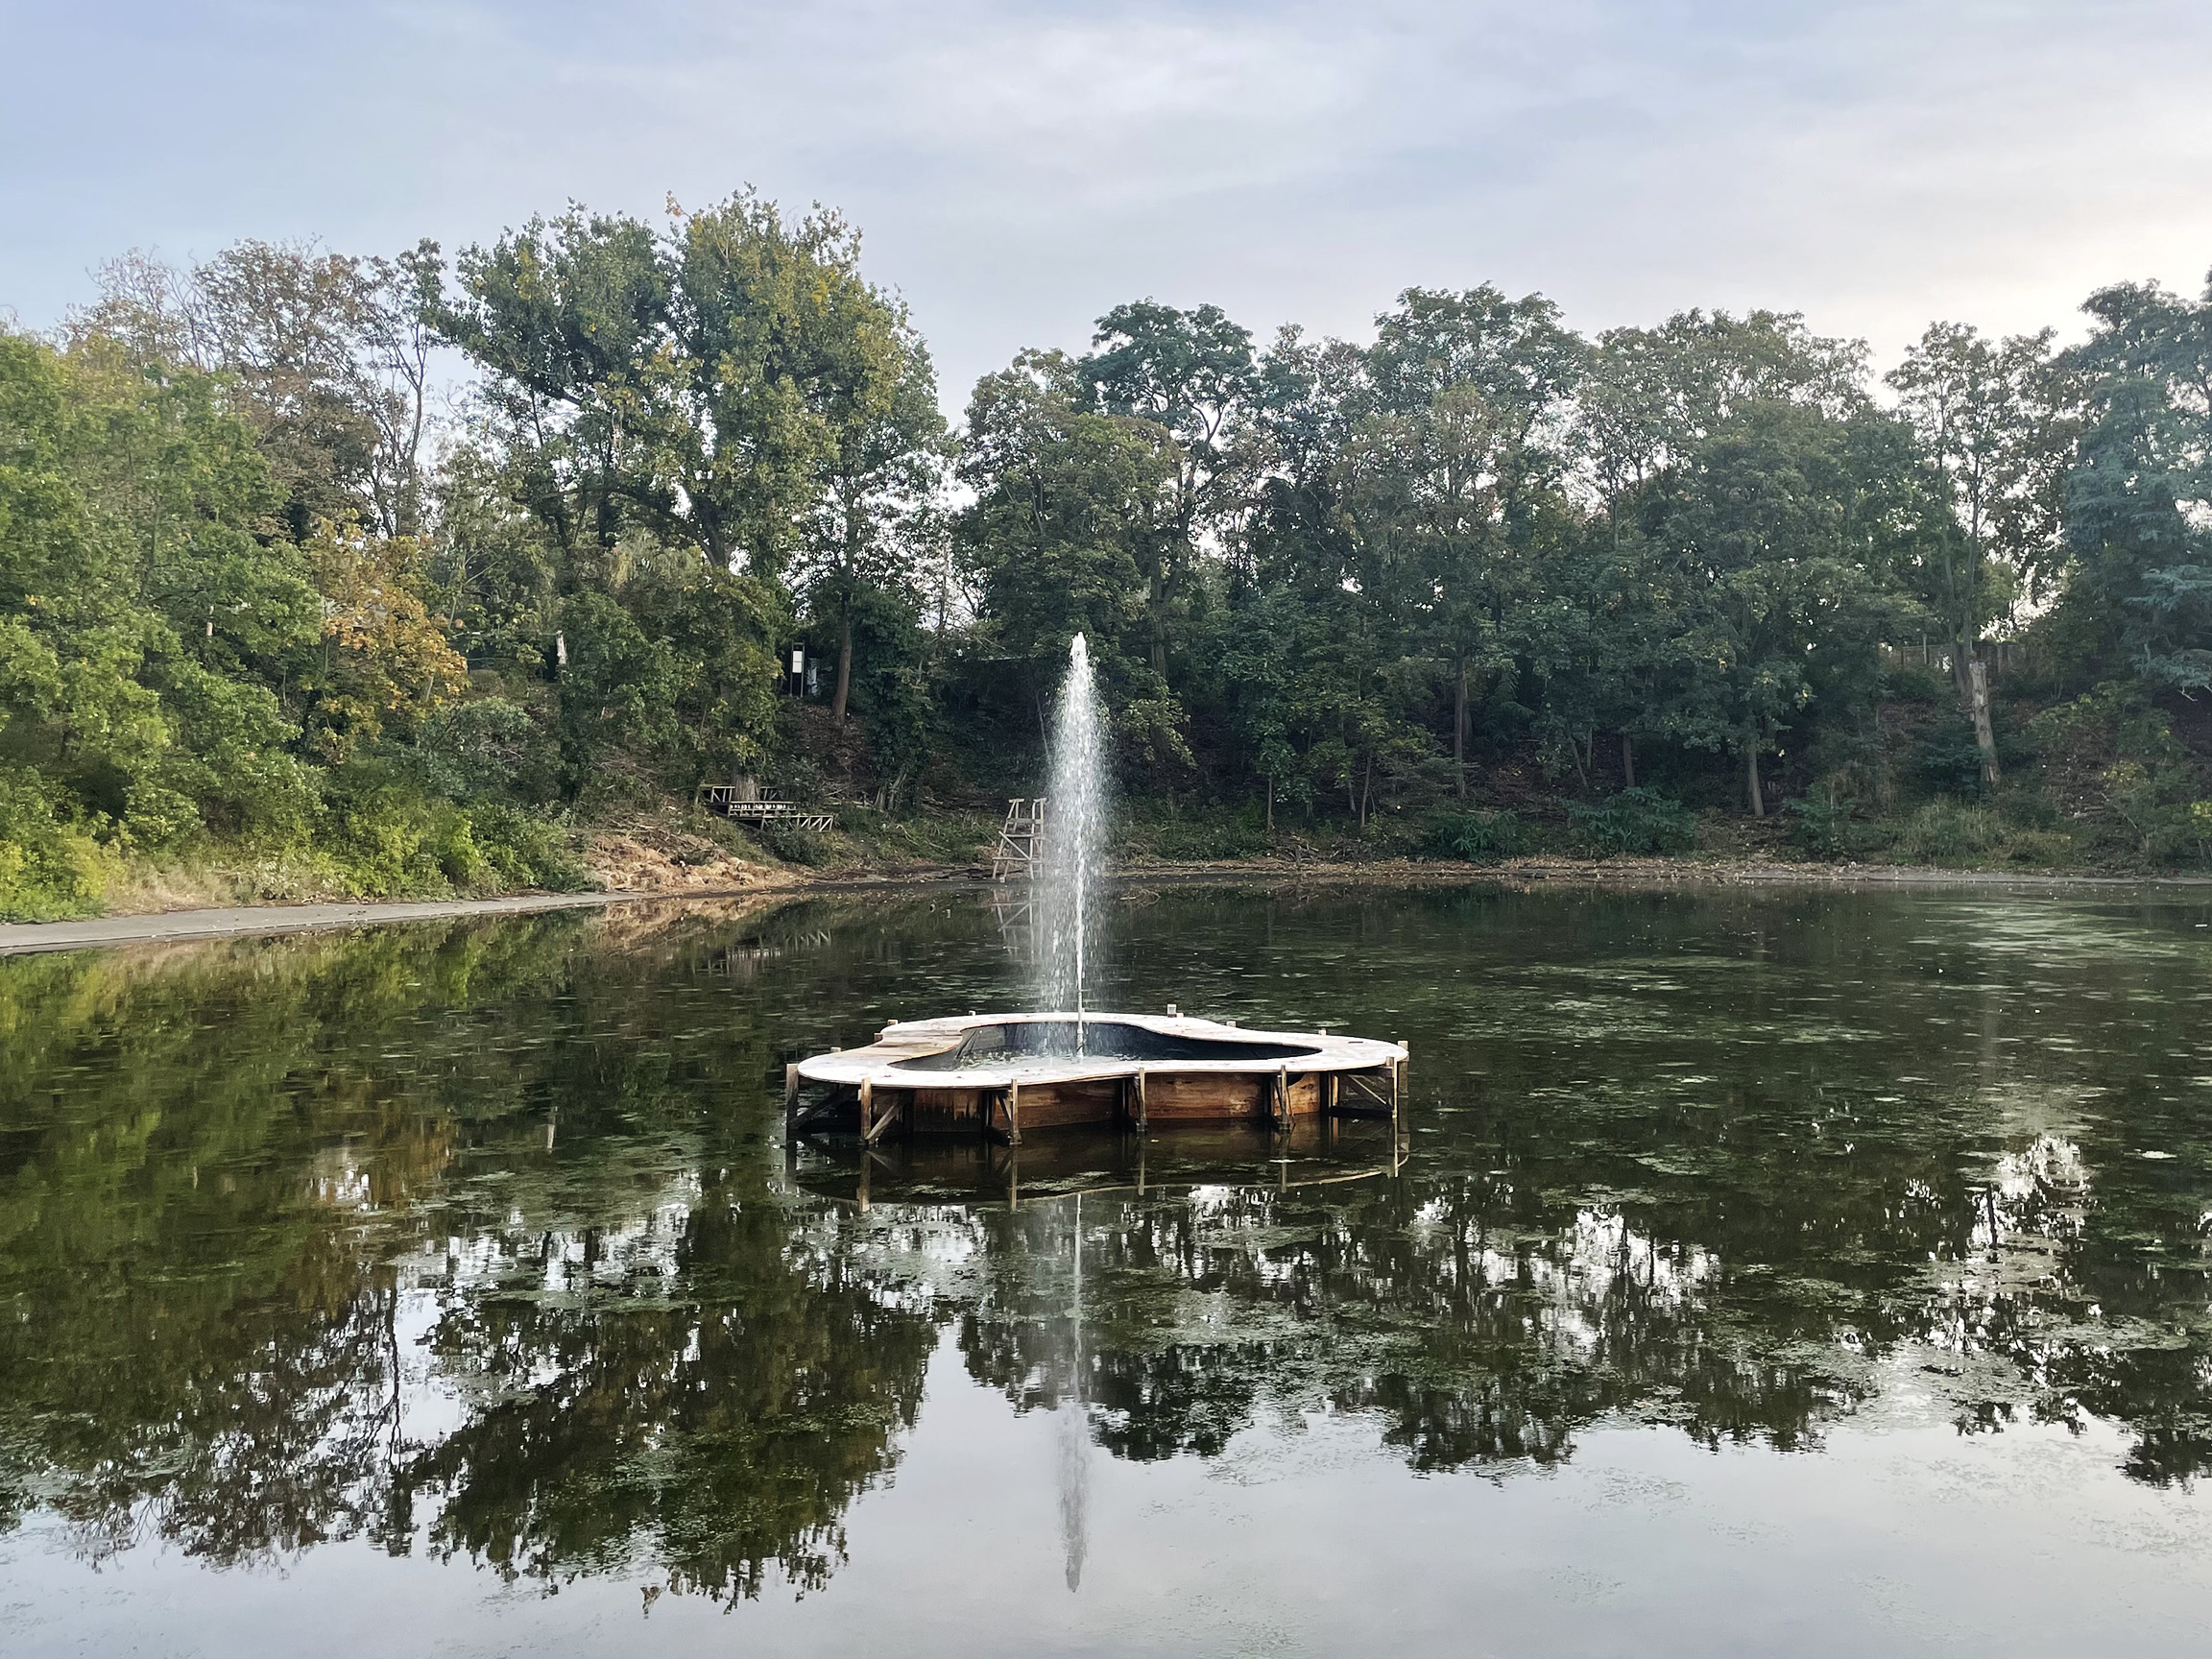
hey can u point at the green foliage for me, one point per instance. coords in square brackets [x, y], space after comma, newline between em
[795, 845]
[1481, 837]
[2111, 759]
[1946, 758]
[48, 867]
[1638, 821]
[1198, 839]
[1823, 825]
[2139, 497]
[1948, 832]
[1915, 683]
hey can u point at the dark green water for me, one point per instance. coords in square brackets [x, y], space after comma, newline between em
[1765, 1273]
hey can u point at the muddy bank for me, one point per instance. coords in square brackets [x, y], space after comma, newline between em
[769, 888]
[1637, 872]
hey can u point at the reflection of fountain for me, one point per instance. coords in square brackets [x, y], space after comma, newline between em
[1074, 1434]
[1067, 884]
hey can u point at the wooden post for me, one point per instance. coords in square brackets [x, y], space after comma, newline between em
[1143, 1125]
[1282, 1112]
[790, 1094]
[868, 1124]
[1013, 1114]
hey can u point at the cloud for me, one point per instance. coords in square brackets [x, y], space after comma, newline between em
[1017, 167]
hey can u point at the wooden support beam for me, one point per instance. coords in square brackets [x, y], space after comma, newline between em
[790, 1094]
[1013, 1114]
[1143, 1124]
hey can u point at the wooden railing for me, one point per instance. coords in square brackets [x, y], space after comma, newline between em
[760, 806]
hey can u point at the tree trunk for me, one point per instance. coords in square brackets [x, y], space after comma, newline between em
[1270, 803]
[1366, 791]
[1977, 706]
[1459, 729]
[1627, 762]
[1752, 776]
[844, 666]
[1156, 602]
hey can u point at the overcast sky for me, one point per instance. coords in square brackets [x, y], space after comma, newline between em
[1017, 167]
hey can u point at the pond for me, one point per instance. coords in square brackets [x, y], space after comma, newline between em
[1761, 1271]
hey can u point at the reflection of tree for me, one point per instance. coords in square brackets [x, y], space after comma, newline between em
[1471, 1330]
[215, 1234]
[715, 1436]
[1748, 1290]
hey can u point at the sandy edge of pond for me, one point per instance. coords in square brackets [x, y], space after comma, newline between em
[21, 937]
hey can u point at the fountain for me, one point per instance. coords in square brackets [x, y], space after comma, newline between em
[999, 1073]
[1075, 850]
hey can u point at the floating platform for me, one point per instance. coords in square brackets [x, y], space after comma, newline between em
[1002, 1075]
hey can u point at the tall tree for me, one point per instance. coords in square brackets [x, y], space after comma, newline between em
[872, 529]
[1190, 373]
[2139, 501]
[1457, 463]
[1066, 515]
[1983, 411]
[1783, 529]
[329, 355]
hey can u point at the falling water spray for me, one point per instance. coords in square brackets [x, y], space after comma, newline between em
[1065, 899]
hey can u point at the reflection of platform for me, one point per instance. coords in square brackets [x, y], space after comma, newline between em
[1314, 1152]
[1001, 1074]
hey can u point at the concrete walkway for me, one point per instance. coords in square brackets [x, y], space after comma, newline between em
[18, 937]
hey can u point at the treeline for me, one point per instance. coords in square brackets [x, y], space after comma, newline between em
[380, 574]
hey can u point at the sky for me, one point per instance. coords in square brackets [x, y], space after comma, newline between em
[1018, 168]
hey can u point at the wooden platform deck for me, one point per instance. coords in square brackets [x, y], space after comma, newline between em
[1002, 1075]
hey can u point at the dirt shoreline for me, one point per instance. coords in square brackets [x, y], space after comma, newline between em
[19, 938]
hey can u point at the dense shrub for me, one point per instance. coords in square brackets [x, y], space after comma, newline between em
[1635, 821]
[2111, 762]
[1948, 832]
[1480, 837]
[1946, 758]
[1823, 825]
[794, 845]
[48, 868]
